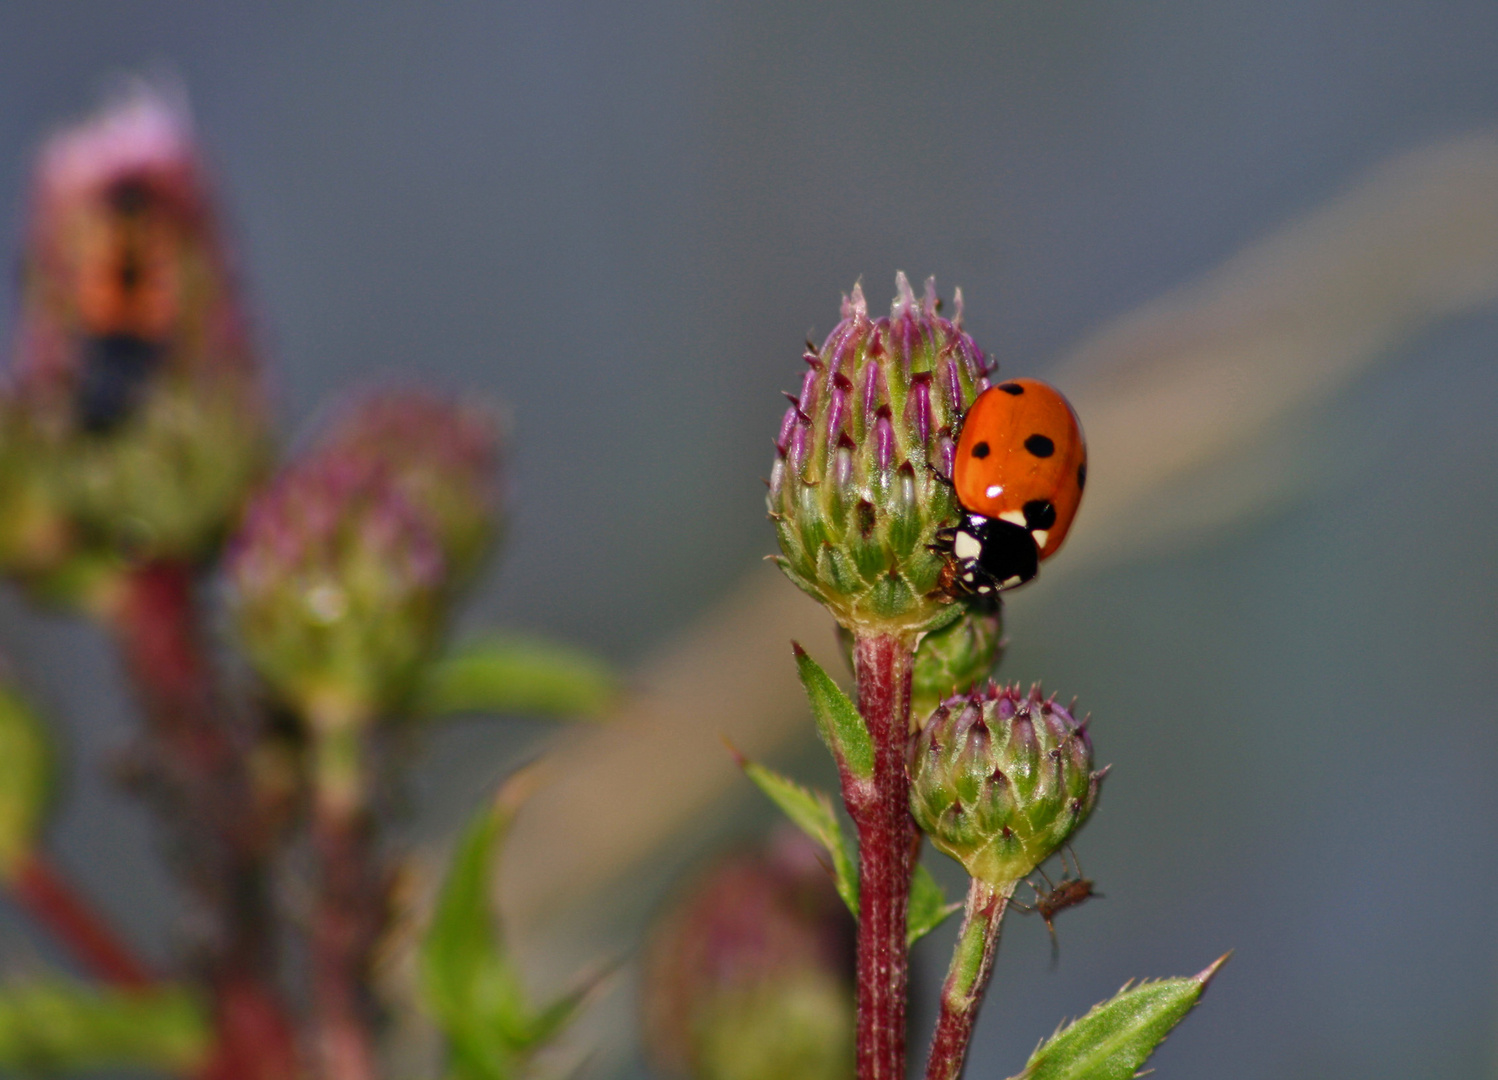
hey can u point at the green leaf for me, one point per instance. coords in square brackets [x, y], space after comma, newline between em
[25, 778]
[469, 981]
[515, 674]
[55, 1026]
[838, 721]
[812, 813]
[928, 906]
[1113, 1040]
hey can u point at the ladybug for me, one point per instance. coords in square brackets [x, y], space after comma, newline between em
[1020, 469]
[127, 291]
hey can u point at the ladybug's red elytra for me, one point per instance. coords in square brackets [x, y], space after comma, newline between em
[1020, 469]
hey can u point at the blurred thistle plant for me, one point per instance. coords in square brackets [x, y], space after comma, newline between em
[135, 420]
[864, 509]
[133, 436]
[748, 974]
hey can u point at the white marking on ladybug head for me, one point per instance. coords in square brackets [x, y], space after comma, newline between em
[1014, 517]
[966, 546]
[1010, 582]
[1041, 536]
[993, 491]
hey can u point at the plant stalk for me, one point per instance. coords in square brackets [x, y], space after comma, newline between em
[886, 843]
[195, 767]
[350, 904]
[52, 900]
[967, 978]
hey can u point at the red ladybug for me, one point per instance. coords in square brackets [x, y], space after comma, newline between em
[1019, 473]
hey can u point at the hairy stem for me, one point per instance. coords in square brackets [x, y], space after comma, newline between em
[194, 765]
[350, 902]
[49, 898]
[967, 978]
[886, 846]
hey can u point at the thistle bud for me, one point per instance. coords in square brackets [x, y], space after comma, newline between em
[749, 976]
[133, 366]
[855, 493]
[1000, 780]
[441, 456]
[344, 568]
[338, 586]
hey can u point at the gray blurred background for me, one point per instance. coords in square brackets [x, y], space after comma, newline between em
[623, 221]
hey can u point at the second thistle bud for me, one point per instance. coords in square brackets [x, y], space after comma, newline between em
[344, 567]
[1000, 780]
[854, 491]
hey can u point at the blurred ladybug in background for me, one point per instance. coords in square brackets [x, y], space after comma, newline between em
[1020, 469]
[127, 300]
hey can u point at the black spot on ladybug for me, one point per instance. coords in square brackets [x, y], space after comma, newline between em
[1012, 388]
[981, 450]
[1039, 514]
[1040, 446]
[1081, 476]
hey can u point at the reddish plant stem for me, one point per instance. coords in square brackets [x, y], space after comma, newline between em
[886, 846]
[52, 901]
[195, 767]
[967, 978]
[350, 906]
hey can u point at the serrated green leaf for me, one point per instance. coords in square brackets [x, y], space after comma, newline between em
[515, 674]
[928, 906]
[838, 720]
[1113, 1040]
[469, 981]
[811, 812]
[55, 1026]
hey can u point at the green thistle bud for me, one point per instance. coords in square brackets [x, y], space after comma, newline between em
[344, 568]
[134, 370]
[1000, 780]
[956, 658]
[853, 493]
[749, 975]
[338, 587]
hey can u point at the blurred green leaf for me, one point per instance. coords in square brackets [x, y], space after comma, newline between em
[54, 1026]
[25, 778]
[469, 981]
[838, 720]
[928, 906]
[508, 673]
[1113, 1040]
[812, 813]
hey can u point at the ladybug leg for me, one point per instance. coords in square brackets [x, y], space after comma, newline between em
[936, 473]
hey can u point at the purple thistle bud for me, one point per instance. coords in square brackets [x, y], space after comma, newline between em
[873, 566]
[749, 973]
[441, 456]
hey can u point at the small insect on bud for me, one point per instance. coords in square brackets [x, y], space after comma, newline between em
[1000, 780]
[855, 494]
